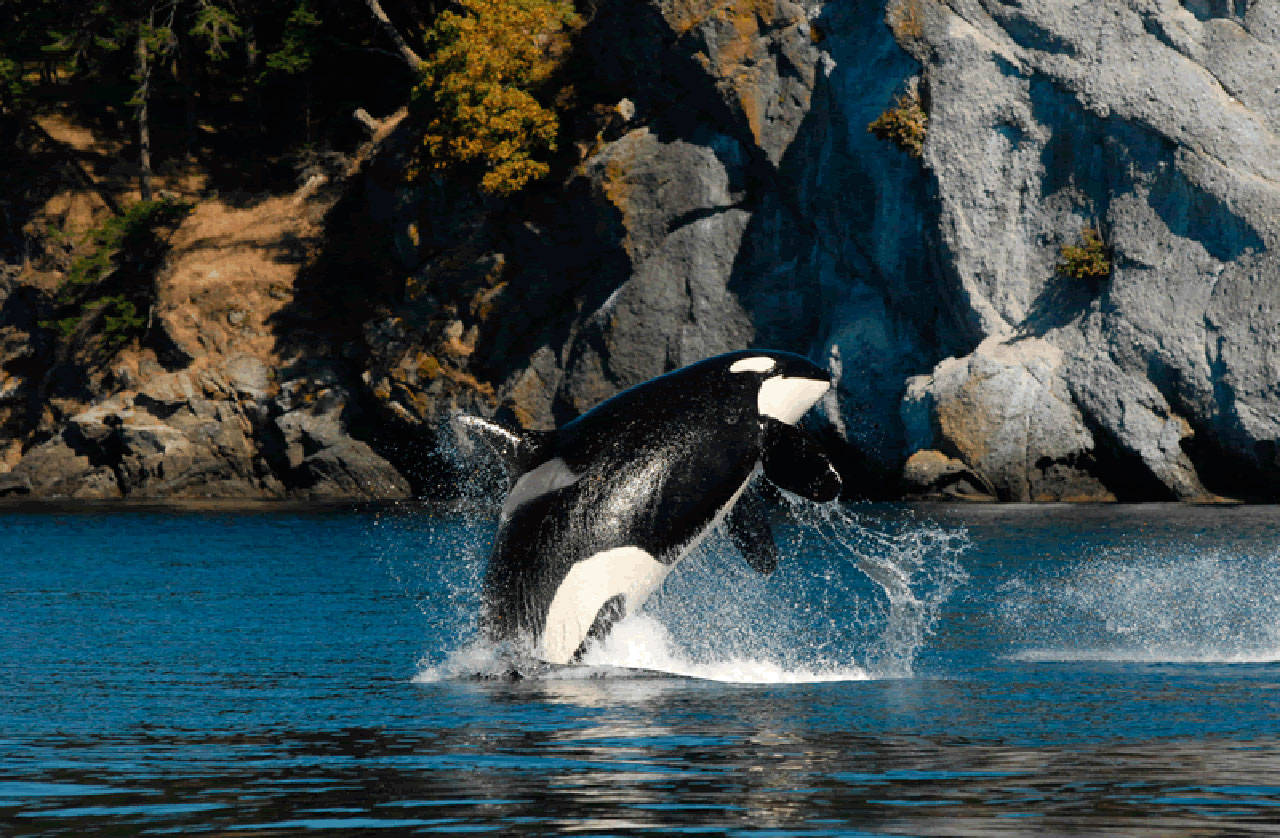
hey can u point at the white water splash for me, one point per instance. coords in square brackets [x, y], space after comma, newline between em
[854, 597]
[1210, 607]
[917, 566]
[641, 642]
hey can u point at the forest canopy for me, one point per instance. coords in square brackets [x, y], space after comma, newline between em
[204, 81]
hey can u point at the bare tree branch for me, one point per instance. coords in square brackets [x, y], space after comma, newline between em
[406, 52]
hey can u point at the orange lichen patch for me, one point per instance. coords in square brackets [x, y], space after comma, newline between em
[459, 341]
[732, 32]
[523, 416]
[424, 369]
[10, 454]
[685, 15]
[747, 90]
[966, 423]
[617, 184]
[483, 302]
[906, 19]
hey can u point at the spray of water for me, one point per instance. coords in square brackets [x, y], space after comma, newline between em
[1183, 607]
[916, 565]
[855, 596]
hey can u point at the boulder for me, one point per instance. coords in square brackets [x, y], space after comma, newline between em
[14, 484]
[326, 462]
[1005, 412]
[932, 474]
[54, 469]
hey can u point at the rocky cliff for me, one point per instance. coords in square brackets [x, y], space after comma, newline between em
[728, 193]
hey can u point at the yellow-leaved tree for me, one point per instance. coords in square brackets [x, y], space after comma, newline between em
[484, 65]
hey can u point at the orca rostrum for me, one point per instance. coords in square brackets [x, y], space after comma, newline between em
[602, 508]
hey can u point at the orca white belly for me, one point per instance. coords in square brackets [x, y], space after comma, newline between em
[630, 572]
[627, 571]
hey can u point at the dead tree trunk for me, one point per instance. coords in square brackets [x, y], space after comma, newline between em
[144, 121]
[406, 52]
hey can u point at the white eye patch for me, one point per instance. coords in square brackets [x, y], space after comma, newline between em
[756, 363]
[787, 399]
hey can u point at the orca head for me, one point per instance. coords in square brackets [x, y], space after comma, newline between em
[787, 385]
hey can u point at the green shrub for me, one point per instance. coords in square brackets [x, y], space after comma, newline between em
[479, 89]
[1090, 260]
[905, 124]
[110, 284]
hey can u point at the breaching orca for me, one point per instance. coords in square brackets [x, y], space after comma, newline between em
[602, 508]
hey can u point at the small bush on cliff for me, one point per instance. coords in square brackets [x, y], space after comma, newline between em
[1089, 261]
[480, 85]
[110, 285]
[905, 124]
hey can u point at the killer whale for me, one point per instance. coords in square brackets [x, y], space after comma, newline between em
[602, 508]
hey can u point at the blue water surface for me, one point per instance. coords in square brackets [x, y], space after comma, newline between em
[1051, 670]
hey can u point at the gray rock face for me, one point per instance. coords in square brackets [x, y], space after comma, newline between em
[682, 232]
[764, 213]
[1136, 117]
[738, 199]
[175, 437]
[325, 462]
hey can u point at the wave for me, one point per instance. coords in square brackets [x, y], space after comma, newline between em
[641, 642]
[1210, 606]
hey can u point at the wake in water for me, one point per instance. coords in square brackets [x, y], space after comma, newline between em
[854, 597]
[1188, 607]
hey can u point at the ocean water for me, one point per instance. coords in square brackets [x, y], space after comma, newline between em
[930, 670]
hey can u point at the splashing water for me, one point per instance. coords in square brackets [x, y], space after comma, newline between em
[855, 596]
[917, 566]
[641, 642]
[1181, 608]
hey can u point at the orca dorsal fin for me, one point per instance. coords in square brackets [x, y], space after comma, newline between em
[519, 450]
[797, 463]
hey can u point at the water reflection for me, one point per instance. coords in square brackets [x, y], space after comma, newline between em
[690, 760]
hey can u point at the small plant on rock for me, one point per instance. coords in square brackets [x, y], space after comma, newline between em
[1088, 261]
[905, 124]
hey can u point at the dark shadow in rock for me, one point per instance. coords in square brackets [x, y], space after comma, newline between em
[1227, 459]
[856, 232]
[1062, 300]
[1122, 471]
[1075, 159]
[1209, 9]
[36, 167]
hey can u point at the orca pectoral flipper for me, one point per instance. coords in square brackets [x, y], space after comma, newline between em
[614, 609]
[795, 462]
[519, 450]
[748, 527]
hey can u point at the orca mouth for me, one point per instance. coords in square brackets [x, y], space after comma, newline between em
[787, 399]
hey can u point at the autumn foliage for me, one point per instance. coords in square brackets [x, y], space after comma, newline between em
[485, 68]
[905, 124]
